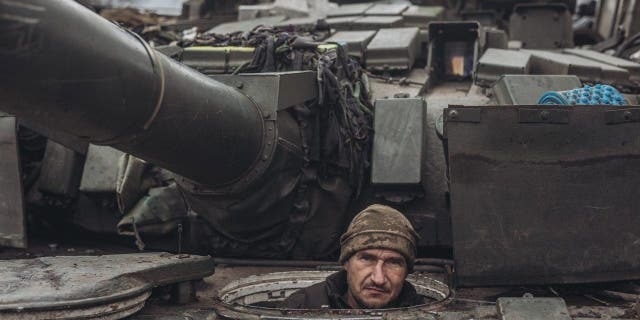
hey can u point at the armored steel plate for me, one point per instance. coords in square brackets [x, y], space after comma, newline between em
[12, 222]
[293, 8]
[61, 170]
[349, 10]
[100, 169]
[497, 62]
[398, 143]
[299, 23]
[486, 18]
[248, 12]
[527, 89]
[533, 309]
[632, 67]
[82, 287]
[393, 49]
[343, 23]
[496, 38]
[547, 62]
[354, 41]
[543, 199]
[274, 90]
[383, 9]
[420, 16]
[541, 26]
[216, 60]
[377, 22]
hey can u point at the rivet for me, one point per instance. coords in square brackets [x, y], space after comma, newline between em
[453, 114]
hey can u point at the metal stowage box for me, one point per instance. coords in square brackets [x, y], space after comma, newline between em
[398, 143]
[393, 49]
[420, 16]
[354, 41]
[544, 194]
[497, 62]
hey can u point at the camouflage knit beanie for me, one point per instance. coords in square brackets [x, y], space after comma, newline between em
[379, 227]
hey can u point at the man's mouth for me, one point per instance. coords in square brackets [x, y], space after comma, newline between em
[377, 290]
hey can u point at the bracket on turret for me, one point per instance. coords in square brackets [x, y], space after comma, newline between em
[272, 92]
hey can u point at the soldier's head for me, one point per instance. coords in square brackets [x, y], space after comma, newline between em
[377, 251]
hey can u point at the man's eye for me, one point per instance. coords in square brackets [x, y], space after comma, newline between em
[367, 258]
[395, 263]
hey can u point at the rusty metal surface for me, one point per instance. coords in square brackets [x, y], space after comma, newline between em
[71, 287]
[544, 201]
[12, 216]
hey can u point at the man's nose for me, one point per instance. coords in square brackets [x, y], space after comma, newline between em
[378, 277]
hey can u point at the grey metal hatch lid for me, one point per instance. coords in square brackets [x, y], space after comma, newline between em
[109, 286]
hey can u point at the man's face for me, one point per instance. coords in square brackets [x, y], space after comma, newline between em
[375, 278]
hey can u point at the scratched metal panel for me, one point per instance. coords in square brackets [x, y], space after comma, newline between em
[544, 194]
[12, 223]
[533, 309]
[399, 141]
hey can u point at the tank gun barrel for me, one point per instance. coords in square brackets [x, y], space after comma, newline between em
[64, 67]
